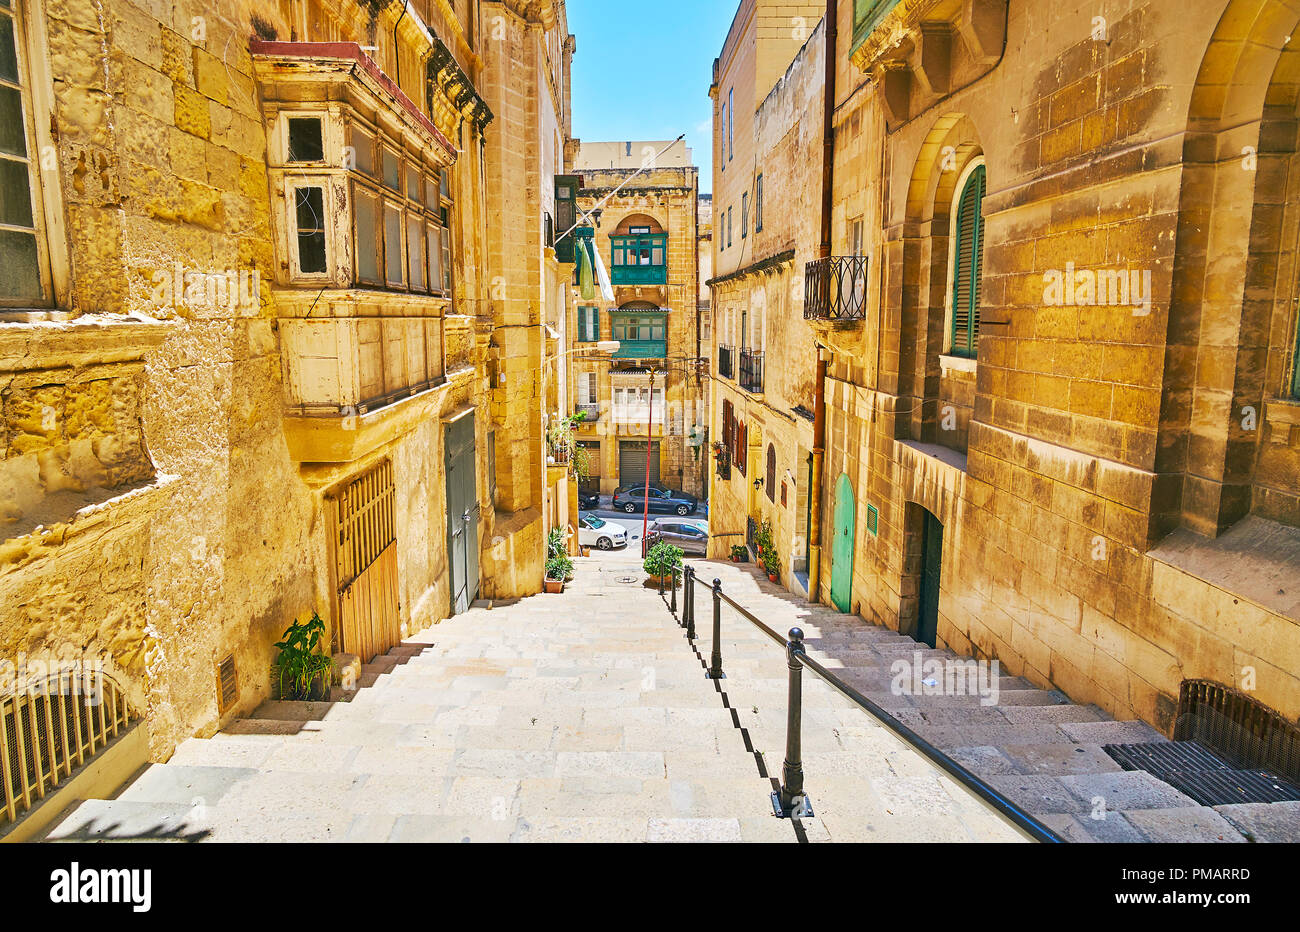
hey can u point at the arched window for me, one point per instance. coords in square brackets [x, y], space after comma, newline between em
[968, 262]
[770, 482]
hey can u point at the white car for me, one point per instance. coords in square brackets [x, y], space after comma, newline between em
[599, 533]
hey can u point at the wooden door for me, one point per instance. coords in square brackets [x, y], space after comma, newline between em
[365, 561]
[462, 513]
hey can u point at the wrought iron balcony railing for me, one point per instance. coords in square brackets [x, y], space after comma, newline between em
[835, 288]
[726, 365]
[751, 371]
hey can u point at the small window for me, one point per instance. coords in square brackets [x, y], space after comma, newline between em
[310, 214]
[968, 233]
[758, 205]
[362, 145]
[744, 215]
[445, 184]
[432, 186]
[446, 256]
[413, 182]
[392, 169]
[394, 260]
[366, 240]
[433, 245]
[415, 252]
[23, 269]
[306, 143]
[873, 519]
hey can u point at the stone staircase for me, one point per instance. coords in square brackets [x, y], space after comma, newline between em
[586, 716]
[1033, 745]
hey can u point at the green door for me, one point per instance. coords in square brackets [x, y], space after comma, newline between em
[842, 548]
[462, 513]
[932, 563]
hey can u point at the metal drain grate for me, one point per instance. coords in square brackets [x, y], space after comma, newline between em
[1195, 771]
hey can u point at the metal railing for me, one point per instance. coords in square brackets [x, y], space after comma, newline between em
[726, 365]
[751, 370]
[50, 729]
[835, 288]
[791, 801]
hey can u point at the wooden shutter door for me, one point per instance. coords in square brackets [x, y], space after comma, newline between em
[967, 265]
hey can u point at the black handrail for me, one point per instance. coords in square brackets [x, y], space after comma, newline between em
[798, 658]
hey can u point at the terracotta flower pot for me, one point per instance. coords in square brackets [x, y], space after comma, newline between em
[553, 585]
[772, 576]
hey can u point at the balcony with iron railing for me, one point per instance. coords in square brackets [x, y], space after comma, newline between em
[726, 362]
[751, 371]
[835, 289]
[590, 411]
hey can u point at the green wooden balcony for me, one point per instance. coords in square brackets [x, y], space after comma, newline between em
[640, 259]
[642, 349]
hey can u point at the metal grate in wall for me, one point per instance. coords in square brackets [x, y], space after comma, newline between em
[1195, 771]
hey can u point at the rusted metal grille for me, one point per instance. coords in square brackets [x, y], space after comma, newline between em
[50, 728]
[1227, 748]
[835, 288]
[227, 684]
[1194, 771]
[1237, 728]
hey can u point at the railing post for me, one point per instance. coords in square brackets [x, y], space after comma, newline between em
[690, 603]
[715, 661]
[661, 583]
[791, 802]
[673, 607]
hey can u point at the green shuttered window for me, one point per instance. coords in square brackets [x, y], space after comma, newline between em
[967, 266]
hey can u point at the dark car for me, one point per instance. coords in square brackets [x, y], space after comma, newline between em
[641, 485]
[588, 500]
[691, 539]
[665, 501]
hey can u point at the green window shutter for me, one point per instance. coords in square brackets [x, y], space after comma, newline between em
[582, 323]
[968, 265]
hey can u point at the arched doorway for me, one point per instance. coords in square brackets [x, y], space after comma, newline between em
[842, 547]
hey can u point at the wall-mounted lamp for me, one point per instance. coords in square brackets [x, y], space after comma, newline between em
[758, 483]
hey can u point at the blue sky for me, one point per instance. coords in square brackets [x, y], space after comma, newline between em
[643, 71]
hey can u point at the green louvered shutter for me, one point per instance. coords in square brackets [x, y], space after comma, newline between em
[967, 266]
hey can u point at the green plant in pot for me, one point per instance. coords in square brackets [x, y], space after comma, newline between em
[302, 671]
[663, 560]
[739, 553]
[771, 564]
[558, 568]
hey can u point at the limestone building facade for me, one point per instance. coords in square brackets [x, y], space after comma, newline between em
[644, 220]
[275, 306]
[1067, 441]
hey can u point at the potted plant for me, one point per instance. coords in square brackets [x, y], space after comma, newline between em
[739, 553]
[663, 562]
[771, 565]
[558, 565]
[558, 569]
[300, 671]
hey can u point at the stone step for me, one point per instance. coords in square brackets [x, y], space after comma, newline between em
[119, 820]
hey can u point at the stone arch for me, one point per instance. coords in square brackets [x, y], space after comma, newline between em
[1233, 288]
[638, 220]
[949, 148]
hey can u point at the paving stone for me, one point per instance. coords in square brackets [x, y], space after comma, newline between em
[1113, 828]
[1127, 789]
[1190, 824]
[1264, 822]
[1060, 759]
[677, 830]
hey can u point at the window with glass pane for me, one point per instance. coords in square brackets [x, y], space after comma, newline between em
[366, 243]
[310, 214]
[415, 253]
[306, 142]
[363, 149]
[413, 182]
[432, 189]
[392, 169]
[394, 259]
[433, 246]
[20, 254]
[446, 259]
[445, 186]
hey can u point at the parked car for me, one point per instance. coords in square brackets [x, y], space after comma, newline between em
[588, 499]
[633, 500]
[641, 485]
[596, 532]
[690, 538]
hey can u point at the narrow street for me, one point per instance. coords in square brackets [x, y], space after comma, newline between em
[584, 716]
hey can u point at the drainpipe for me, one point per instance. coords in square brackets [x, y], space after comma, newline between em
[823, 252]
